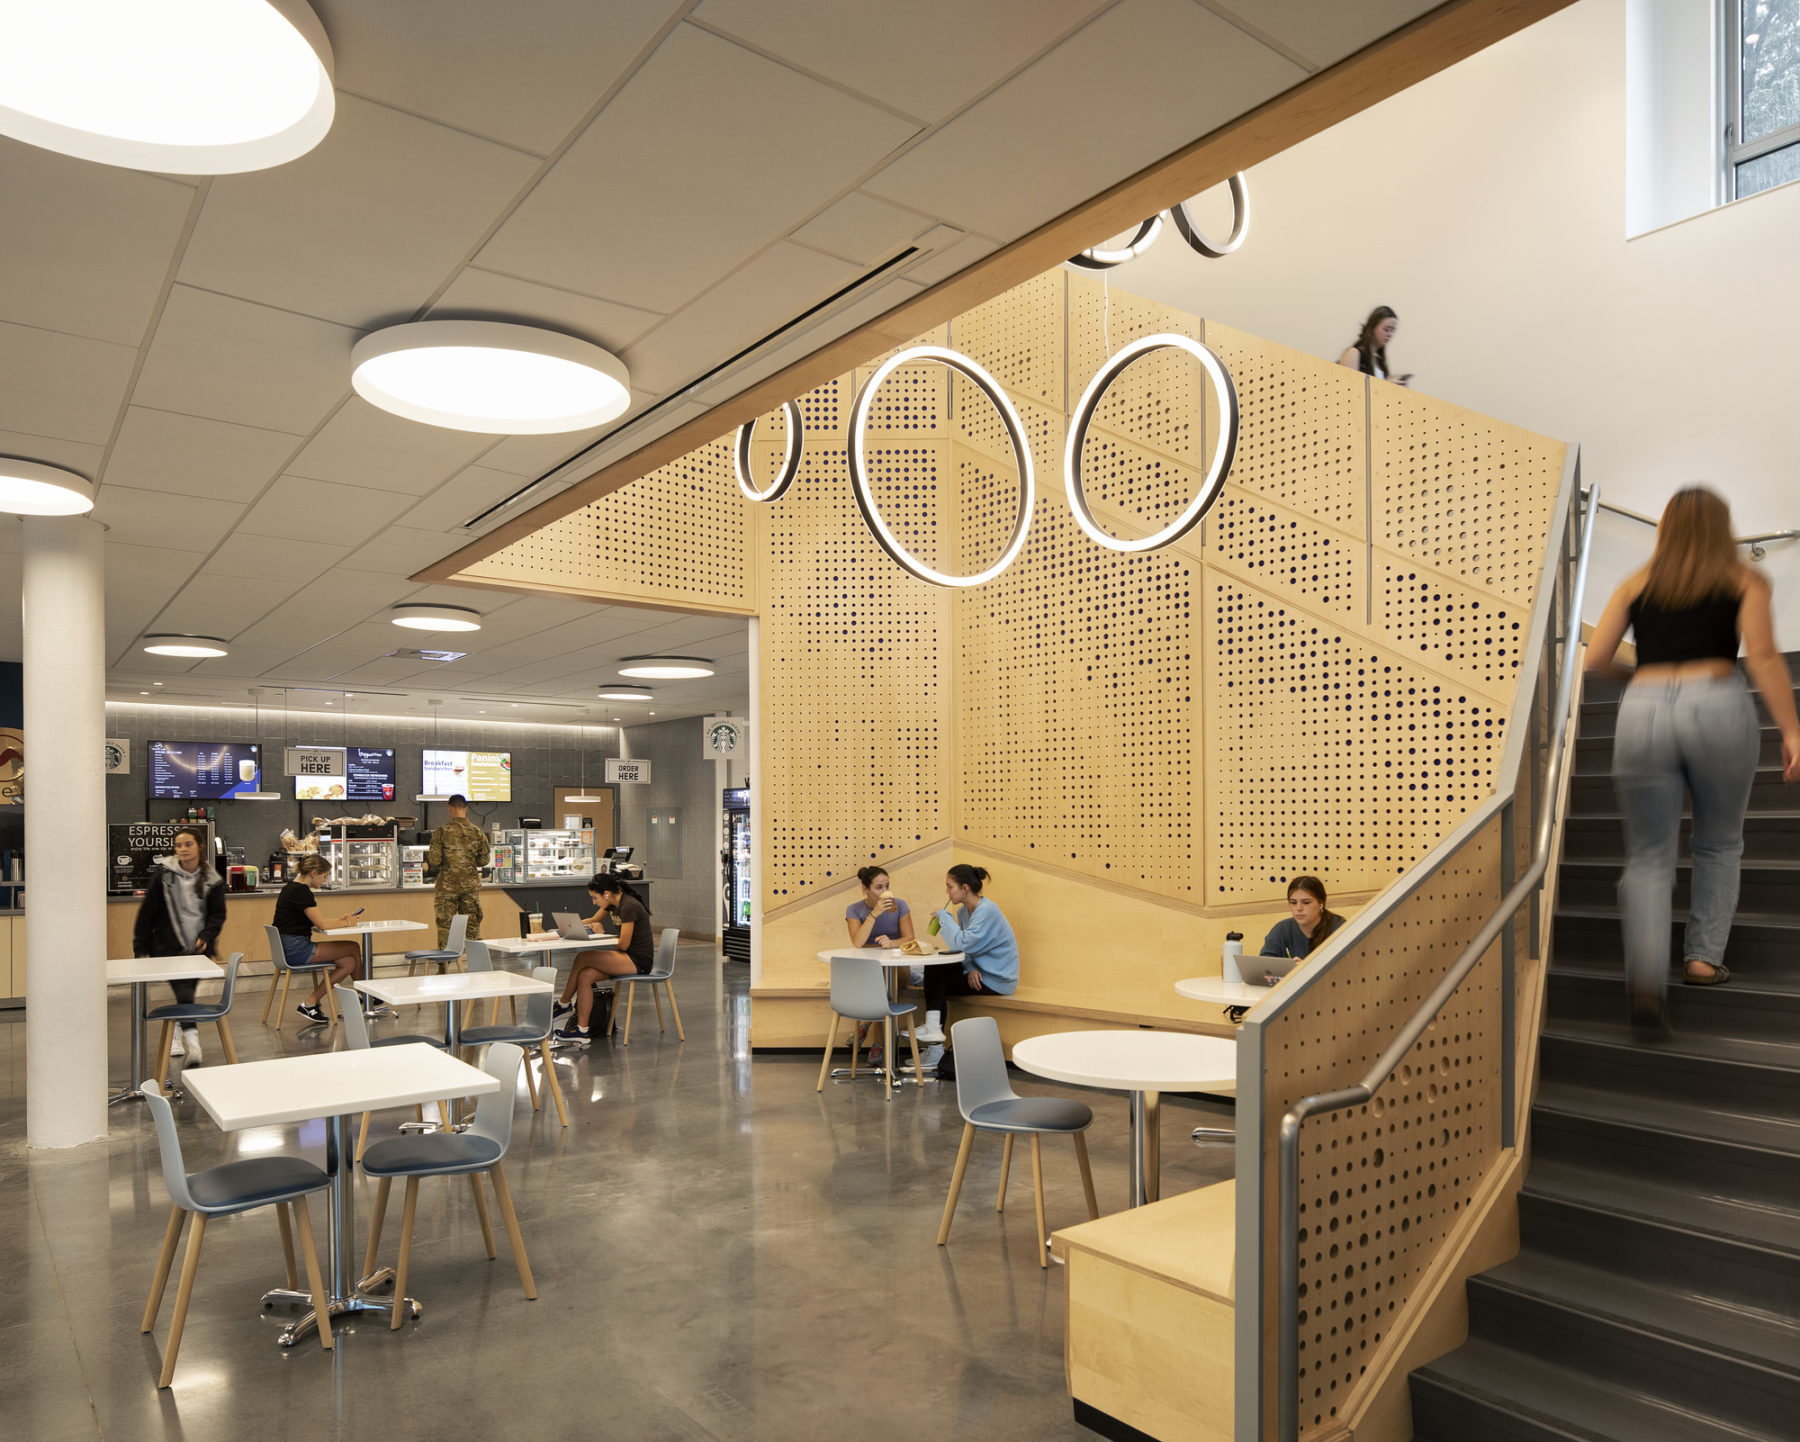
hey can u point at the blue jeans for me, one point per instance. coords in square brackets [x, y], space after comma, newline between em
[1702, 736]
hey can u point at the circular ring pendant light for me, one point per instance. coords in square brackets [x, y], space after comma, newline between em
[1240, 223]
[1215, 472]
[490, 376]
[30, 488]
[206, 87]
[1015, 434]
[1100, 258]
[790, 461]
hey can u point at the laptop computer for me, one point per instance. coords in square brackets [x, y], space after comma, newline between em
[570, 927]
[1267, 970]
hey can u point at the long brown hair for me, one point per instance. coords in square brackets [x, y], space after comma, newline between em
[1695, 556]
[1373, 354]
[1329, 920]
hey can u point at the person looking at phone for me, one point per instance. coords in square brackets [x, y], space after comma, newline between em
[635, 952]
[297, 916]
[1369, 353]
[1308, 923]
[880, 918]
[973, 925]
[182, 914]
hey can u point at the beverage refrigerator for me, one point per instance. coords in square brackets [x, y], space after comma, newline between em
[734, 859]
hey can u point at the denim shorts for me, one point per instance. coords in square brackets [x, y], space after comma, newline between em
[297, 949]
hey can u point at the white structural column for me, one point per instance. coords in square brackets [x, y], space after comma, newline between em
[65, 831]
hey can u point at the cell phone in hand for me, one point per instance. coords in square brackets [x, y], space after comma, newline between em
[359, 911]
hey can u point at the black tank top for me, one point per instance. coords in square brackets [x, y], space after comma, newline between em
[1706, 631]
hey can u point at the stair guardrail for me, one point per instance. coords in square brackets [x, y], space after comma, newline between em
[1566, 570]
[1755, 543]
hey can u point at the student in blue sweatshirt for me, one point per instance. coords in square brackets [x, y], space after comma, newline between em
[974, 926]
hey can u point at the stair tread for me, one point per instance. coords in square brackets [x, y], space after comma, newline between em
[1694, 1045]
[1709, 1323]
[1679, 914]
[1667, 1116]
[1766, 814]
[1758, 1225]
[1567, 1399]
[1685, 863]
[1747, 986]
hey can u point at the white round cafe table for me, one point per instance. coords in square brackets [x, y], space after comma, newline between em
[1237, 997]
[1144, 1063]
[892, 961]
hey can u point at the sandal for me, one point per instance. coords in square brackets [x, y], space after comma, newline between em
[1720, 973]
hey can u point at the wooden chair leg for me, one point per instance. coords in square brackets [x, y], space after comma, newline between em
[956, 1181]
[830, 1043]
[331, 1005]
[269, 1000]
[498, 1173]
[225, 1041]
[315, 1279]
[656, 996]
[362, 1136]
[164, 1260]
[562, 1110]
[630, 996]
[190, 1263]
[912, 1035]
[537, 1102]
[1087, 1176]
[287, 980]
[375, 1221]
[162, 1056]
[1005, 1172]
[675, 1011]
[487, 1226]
[406, 1231]
[287, 1247]
[1037, 1196]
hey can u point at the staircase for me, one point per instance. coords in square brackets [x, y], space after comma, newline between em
[1656, 1294]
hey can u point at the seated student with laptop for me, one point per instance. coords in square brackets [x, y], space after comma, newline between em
[636, 952]
[1299, 934]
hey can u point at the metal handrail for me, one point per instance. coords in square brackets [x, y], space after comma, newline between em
[1755, 543]
[1288, 1214]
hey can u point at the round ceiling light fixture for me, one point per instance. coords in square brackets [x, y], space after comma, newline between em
[666, 668]
[1098, 257]
[859, 469]
[28, 488]
[1216, 472]
[490, 376]
[626, 693]
[790, 461]
[1240, 223]
[192, 647]
[207, 87]
[421, 617]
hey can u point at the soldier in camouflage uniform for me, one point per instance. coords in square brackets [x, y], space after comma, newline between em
[459, 850]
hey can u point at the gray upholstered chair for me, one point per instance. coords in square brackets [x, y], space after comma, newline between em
[287, 974]
[448, 955]
[482, 1148]
[534, 1031]
[989, 1104]
[223, 1191]
[661, 973]
[357, 1038]
[859, 994]
[189, 1013]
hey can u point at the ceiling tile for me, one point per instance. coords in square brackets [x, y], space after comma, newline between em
[233, 361]
[925, 58]
[321, 511]
[778, 285]
[192, 456]
[861, 228]
[1125, 92]
[150, 518]
[361, 229]
[247, 663]
[952, 259]
[217, 605]
[77, 456]
[400, 551]
[478, 294]
[61, 386]
[1324, 34]
[472, 64]
[246, 557]
[149, 565]
[85, 248]
[795, 145]
[363, 445]
[533, 456]
[460, 499]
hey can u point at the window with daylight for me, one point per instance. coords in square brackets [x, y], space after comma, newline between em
[1762, 95]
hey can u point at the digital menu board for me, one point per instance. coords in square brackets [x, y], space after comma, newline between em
[478, 775]
[355, 773]
[203, 770]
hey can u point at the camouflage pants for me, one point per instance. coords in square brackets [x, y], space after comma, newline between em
[449, 902]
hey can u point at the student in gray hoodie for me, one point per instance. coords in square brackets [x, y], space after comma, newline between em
[182, 914]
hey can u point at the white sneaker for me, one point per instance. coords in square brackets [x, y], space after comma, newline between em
[175, 1048]
[933, 1030]
[191, 1036]
[931, 1056]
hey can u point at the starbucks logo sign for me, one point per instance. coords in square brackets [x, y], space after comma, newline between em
[725, 736]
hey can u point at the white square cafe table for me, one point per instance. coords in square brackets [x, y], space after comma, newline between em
[451, 990]
[138, 972]
[339, 1086]
[892, 961]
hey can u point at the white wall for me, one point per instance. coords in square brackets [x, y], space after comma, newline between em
[1487, 206]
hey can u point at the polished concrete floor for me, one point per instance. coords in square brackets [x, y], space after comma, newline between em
[720, 1252]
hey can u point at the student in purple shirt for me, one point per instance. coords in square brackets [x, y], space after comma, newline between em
[880, 918]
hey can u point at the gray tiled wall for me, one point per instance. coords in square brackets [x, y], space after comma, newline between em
[682, 785]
